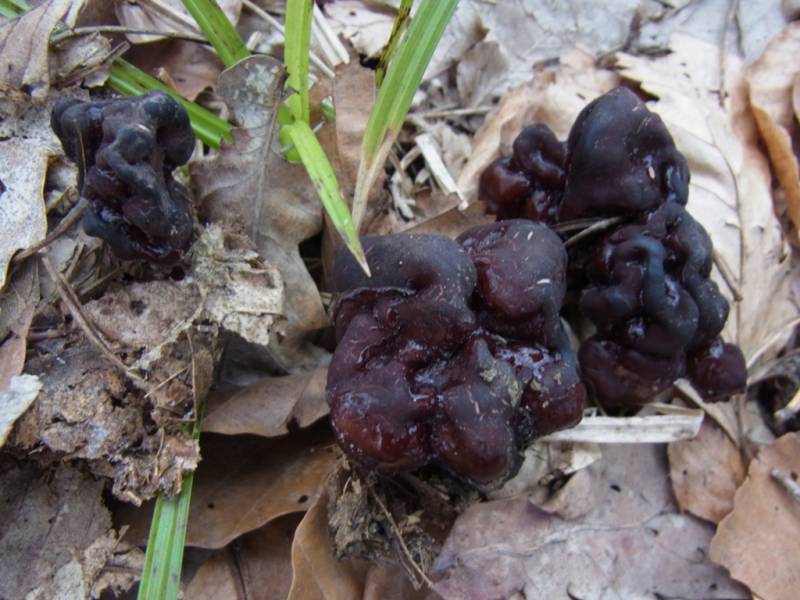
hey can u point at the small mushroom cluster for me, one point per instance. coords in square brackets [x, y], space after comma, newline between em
[645, 283]
[452, 352]
[126, 150]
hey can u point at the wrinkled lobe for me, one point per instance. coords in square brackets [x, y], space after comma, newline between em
[452, 353]
[126, 151]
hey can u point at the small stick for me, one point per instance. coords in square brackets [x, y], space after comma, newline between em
[592, 229]
[78, 31]
[787, 482]
[73, 305]
[727, 276]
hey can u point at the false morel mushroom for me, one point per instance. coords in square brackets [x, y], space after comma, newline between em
[452, 353]
[645, 284]
[126, 150]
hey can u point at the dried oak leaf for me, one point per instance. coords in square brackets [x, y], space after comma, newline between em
[244, 482]
[705, 472]
[249, 185]
[258, 566]
[632, 542]
[269, 406]
[55, 536]
[770, 81]
[759, 541]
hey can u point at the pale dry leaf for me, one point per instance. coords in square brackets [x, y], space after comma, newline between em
[705, 472]
[23, 53]
[490, 38]
[165, 15]
[759, 541]
[50, 520]
[23, 220]
[15, 400]
[241, 291]
[770, 81]
[244, 482]
[267, 407]
[796, 98]
[250, 185]
[317, 575]
[365, 25]
[630, 543]
[258, 566]
[555, 96]
[730, 189]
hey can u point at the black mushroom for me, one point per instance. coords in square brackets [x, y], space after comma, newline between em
[126, 150]
[644, 284]
[452, 353]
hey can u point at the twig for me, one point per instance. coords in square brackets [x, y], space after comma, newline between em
[788, 483]
[592, 229]
[400, 540]
[68, 221]
[727, 275]
[78, 31]
[453, 112]
[73, 305]
[773, 339]
[178, 373]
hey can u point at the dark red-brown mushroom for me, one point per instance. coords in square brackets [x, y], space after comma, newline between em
[126, 151]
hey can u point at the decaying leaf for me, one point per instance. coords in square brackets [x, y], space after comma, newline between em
[268, 407]
[17, 304]
[55, 535]
[244, 482]
[770, 81]
[24, 52]
[165, 15]
[257, 566]
[366, 25]
[87, 410]
[249, 184]
[730, 191]
[705, 472]
[630, 543]
[759, 542]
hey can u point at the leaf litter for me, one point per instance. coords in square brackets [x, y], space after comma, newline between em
[118, 349]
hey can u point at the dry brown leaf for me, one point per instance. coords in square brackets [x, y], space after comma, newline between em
[189, 66]
[630, 543]
[353, 96]
[267, 407]
[730, 192]
[165, 15]
[706, 472]
[55, 534]
[317, 575]
[554, 96]
[258, 566]
[17, 304]
[244, 482]
[24, 56]
[770, 80]
[248, 183]
[759, 542]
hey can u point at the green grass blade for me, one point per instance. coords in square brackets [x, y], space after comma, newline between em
[399, 27]
[218, 30]
[297, 46]
[321, 173]
[208, 127]
[8, 13]
[396, 92]
[161, 575]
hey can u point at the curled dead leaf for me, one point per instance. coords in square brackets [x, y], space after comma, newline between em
[759, 541]
[267, 407]
[771, 79]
